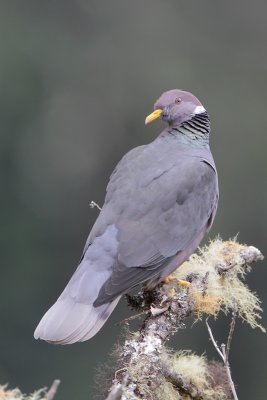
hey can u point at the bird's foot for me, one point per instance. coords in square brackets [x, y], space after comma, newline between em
[172, 278]
[184, 283]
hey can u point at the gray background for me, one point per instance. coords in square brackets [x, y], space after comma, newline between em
[77, 79]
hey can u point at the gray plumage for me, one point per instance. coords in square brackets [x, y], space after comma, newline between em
[161, 200]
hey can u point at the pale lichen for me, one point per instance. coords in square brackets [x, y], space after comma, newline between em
[194, 372]
[129, 392]
[149, 370]
[143, 367]
[16, 394]
[166, 391]
[220, 267]
[149, 345]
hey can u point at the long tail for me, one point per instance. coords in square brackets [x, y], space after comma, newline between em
[69, 322]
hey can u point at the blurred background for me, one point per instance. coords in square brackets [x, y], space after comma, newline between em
[77, 79]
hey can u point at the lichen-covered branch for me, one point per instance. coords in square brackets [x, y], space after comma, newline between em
[146, 368]
[41, 394]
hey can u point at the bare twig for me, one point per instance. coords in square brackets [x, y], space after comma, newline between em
[133, 317]
[53, 390]
[224, 352]
[214, 341]
[230, 335]
[93, 204]
[231, 383]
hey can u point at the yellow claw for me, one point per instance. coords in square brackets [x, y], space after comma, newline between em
[170, 278]
[172, 292]
[182, 282]
[186, 284]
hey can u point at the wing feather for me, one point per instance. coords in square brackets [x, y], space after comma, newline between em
[162, 219]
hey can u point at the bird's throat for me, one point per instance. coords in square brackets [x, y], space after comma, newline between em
[196, 130]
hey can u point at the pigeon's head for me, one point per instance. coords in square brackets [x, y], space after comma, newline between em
[175, 106]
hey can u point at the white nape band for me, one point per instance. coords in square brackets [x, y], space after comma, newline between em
[199, 110]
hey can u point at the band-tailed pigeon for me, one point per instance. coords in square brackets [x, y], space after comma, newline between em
[161, 200]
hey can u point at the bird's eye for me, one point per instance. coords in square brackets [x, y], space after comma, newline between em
[177, 100]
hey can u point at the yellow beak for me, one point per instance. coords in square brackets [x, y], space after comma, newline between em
[154, 115]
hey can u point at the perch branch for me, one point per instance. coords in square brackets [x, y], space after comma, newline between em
[167, 308]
